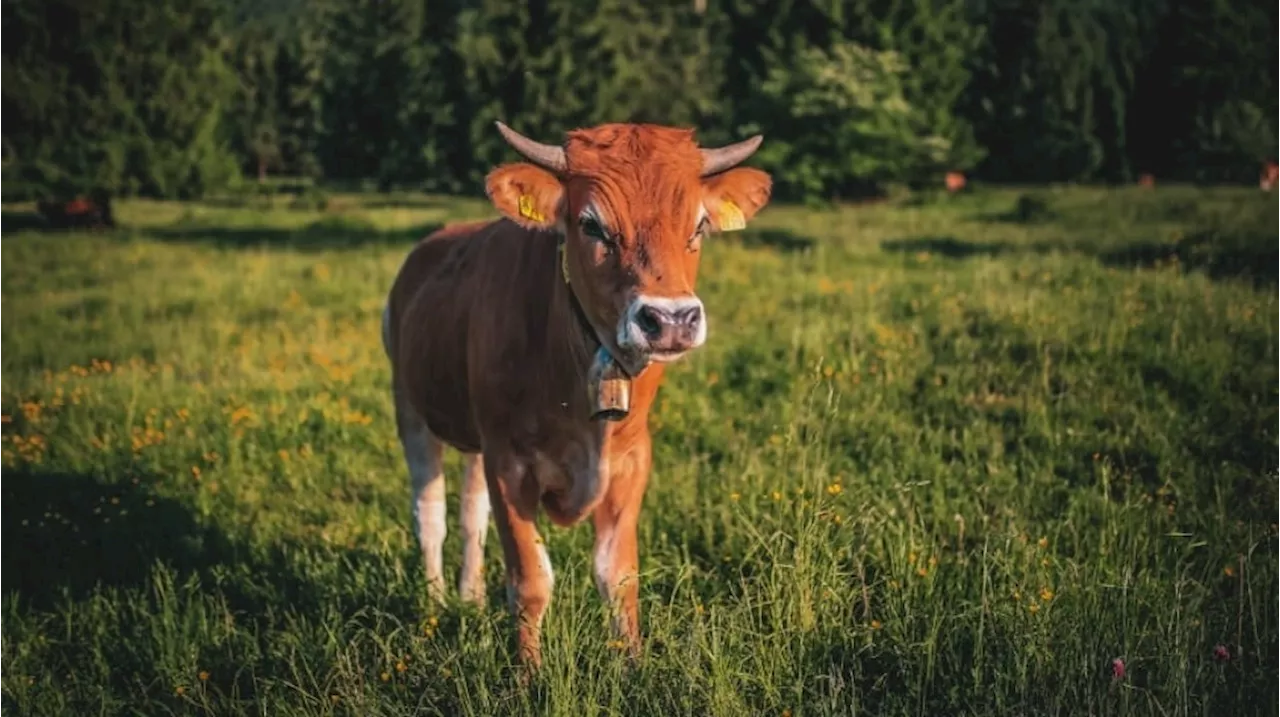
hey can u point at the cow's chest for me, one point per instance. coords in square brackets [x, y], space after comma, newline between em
[571, 472]
[561, 464]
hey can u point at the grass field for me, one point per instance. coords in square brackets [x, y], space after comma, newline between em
[948, 456]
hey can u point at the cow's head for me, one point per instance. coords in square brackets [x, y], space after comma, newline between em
[634, 203]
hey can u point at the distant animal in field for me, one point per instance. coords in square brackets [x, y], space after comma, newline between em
[535, 345]
[1146, 180]
[1267, 178]
[81, 212]
[955, 182]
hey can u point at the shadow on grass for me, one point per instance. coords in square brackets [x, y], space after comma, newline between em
[29, 221]
[409, 201]
[327, 233]
[948, 247]
[1031, 208]
[779, 240]
[319, 235]
[1220, 254]
[68, 533]
[68, 537]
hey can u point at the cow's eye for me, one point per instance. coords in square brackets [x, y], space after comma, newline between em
[592, 228]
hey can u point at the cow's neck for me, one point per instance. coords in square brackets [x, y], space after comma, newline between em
[581, 339]
[581, 344]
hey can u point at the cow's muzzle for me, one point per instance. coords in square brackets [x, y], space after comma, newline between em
[663, 328]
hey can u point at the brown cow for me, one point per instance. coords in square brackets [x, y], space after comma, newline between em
[498, 333]
[1267, 177]
[93, 212]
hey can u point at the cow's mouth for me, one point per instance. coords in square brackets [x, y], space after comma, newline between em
[667, 356]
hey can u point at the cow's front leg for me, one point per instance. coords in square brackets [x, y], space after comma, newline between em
[513, 492]
[617, 555]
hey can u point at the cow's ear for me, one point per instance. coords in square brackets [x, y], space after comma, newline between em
[527, 195]
[732, 198]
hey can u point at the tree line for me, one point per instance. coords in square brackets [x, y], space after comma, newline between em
[178, 98]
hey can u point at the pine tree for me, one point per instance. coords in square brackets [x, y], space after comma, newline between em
[117, 97]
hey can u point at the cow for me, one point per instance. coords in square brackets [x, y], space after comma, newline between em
[535, 343]
[91, 212]
[1267, 177]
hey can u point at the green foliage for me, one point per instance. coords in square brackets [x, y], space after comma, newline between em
[1230, 140]
[848, 123]
[126, 97]
[1216, 62]
[171, 99]
[937, 40]
[1051, 88]
[383, 109]
[610, 61]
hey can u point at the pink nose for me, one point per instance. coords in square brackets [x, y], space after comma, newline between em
[673, 325]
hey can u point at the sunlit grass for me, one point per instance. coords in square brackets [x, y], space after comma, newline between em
[948, 457]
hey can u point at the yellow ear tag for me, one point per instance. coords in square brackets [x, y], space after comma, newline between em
[731, 219]
[527, 210]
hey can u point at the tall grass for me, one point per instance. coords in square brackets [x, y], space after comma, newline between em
[950, 456]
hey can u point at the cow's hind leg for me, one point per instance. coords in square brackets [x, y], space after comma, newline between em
[423, 453]
[475, 524]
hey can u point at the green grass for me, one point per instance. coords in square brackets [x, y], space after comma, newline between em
[948, 456]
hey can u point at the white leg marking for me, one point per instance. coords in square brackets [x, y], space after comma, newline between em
[475, 526]
[607, 578]
[544, 561]
[604, 564]
[422, 453]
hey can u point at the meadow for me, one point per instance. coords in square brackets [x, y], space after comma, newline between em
[1012, 452]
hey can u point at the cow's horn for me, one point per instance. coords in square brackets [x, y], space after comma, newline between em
[717, 160]
[547, 156]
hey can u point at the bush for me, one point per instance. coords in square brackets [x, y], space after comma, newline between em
[842, 125]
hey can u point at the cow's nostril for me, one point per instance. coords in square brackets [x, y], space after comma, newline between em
[690, 316]
[650, 321]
